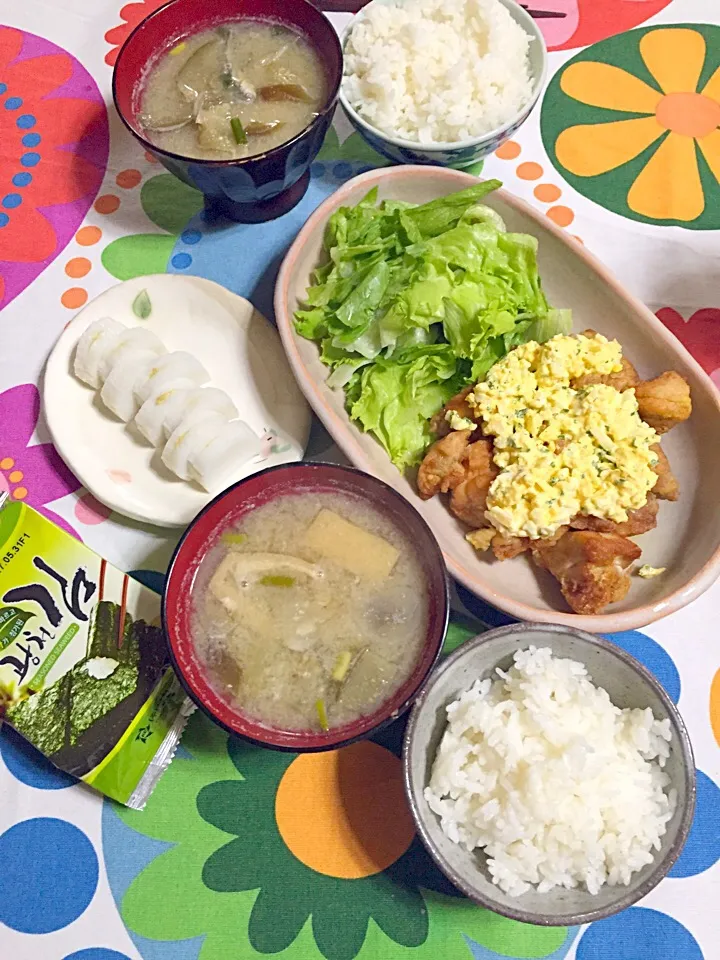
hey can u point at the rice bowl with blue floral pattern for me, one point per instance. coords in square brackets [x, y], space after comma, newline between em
[441, 83]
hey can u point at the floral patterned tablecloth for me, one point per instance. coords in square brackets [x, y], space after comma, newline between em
[242, 852]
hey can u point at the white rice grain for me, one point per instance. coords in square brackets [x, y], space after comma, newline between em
[555, 783]
[437, 71]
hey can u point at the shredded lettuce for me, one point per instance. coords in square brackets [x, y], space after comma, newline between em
[396, 399]
[415, 302]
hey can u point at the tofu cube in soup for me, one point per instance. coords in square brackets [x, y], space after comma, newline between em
[350, 546]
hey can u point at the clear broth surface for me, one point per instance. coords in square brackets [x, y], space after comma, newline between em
[275, 649]
[249, 78]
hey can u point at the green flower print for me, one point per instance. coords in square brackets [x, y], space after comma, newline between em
[243, 873]
[353, 150]
[292, 892]
[169, 204]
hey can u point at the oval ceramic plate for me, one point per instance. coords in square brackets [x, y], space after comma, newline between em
[687, 538]
[241, 352]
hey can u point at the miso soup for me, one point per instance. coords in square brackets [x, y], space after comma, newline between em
[233, 91]
[310, 614]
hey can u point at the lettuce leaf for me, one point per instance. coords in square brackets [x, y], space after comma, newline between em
[415, 302]
[395, 400]
[433, 218]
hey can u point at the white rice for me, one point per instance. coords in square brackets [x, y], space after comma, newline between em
[436, 71]
[560, 787]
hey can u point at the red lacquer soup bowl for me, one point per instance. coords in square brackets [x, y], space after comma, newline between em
[225, 512]
[256, 188]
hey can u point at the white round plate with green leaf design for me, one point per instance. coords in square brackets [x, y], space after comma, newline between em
[240, 349]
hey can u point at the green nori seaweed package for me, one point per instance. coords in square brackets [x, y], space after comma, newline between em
[84, 674]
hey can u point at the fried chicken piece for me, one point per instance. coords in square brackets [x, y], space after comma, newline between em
[592, 568]
[666, 486]
[638, 521]
[469, 499]
[622, 380]
[460, 405]
[664, 401]
[505, 548]
[444, 466]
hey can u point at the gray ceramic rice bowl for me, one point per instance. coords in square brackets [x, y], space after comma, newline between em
[628, 683]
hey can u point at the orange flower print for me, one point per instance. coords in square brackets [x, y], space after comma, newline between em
[648, 141]
[131, 15]
[53, 153]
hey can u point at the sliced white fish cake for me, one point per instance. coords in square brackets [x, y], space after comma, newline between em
[100, 337]
[150, 418]
[133, 338]
[171, 366]
[199, 400]
[188, 439]
[213, 464]
[177, 407]
[117, 393]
